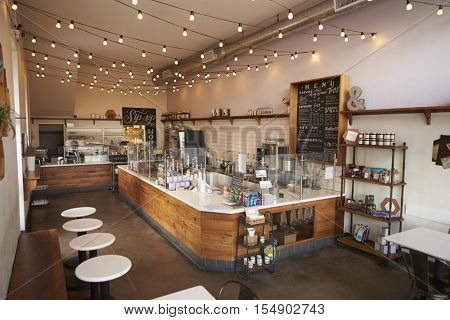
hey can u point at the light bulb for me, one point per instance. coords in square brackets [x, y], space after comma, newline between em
[265, 58]
[275, 54]
[38, 66]
[248, 67]
[363, 36]
[105, 42]
[236, 58]
[120, 79]
[62, 81]
[342, 33]
[292, 56]
[176, 62]
[202, 56]
[58, 24]
[313, 54]
[191, 16]
[256, 68]
[250, 51]
[139, 15]
[143, 54]
[221, 44]
[75, 54]
[346, 38]
[234, 73]
[290, 15]
[315, 38]
[14, 6]
[409, 5]
[148, 71]
[90, 56]
[320, 26]
[135, 2]
[267, 65]
[239, 27]
[130, 73]
[34, 40]
[113, 64]
[218, 75]
[67, 71]
[204, 66]
[228, 68]
[164, 49]
[296, 55]
[106, 71]
[123, 64]
[280, 35]
[151, 71]
[78, 66]
[440, 10]
[33, 54]
[68, 62]
[100, 69]
[71, 25]
[43, 75]
[185, 32]
[374, 36]
[121, 39]
[46, 57]
[53, 45]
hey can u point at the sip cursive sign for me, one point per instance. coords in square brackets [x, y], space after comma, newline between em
[139, 116]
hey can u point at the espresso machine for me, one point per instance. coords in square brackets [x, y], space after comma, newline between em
[274, 154]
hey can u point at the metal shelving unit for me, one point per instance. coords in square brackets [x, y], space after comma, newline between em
[347, 239]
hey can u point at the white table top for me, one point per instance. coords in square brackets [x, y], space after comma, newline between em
[82, 225]
[92, 241]
[433, 243]
[78, 212]
[103, 268]
[195, 293]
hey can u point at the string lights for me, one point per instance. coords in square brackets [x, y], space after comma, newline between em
[439, 7]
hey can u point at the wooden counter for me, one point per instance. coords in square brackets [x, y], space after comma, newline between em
[207, 238]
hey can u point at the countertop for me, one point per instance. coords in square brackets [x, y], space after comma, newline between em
[51, 165]
[213, 202]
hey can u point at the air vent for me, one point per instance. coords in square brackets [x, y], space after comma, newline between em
[167, 74]
[345, 4]
[209, 56]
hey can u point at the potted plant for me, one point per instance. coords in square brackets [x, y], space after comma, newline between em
[6, 123]
[30, 154]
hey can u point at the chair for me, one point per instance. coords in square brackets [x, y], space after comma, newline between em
[417, 267]
[245, 293]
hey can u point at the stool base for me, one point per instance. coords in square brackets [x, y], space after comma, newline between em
[75, 284]
[72, 262]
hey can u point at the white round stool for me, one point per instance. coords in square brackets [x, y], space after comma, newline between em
[92, 242]
[76, 213]
[101, 270]
[81, 227]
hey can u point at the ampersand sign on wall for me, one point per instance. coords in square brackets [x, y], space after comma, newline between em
[354, 103]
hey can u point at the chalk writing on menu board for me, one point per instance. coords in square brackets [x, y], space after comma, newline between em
[144, 117]
[318, 118]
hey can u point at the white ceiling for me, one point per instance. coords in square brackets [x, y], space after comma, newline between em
[110, 15]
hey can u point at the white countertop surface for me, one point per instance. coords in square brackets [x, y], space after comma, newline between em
[213, 202]
[433, 243]
[51, 165]
[195, 293]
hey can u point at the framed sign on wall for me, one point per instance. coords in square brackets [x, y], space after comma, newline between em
[143, 117]
[316, 124]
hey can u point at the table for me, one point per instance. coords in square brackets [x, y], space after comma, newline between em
[81, 227]
[79, 212]
[92, 242]
[423, 243]
[101, 270]
[433, 243]
[195, 293]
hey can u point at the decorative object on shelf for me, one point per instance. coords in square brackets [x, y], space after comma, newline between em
[393, 202]
[441, 151]
[6, 122]
[351, 136]
[110, 114]
[361, 233]
[30, 154]
[354, 103]
[286, 101]
[376, 139]
[260, 111]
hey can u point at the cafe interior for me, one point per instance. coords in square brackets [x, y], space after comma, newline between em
[240, 149]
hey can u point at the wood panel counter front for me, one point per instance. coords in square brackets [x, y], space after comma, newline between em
[209, 238]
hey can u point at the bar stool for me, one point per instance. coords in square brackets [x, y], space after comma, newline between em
[76, 213]
[81, 227]
[88, 243]
[101, 270]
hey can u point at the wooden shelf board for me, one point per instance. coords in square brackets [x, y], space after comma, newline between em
[72, 119]
[369, 216]
[399, 147]
[375, 182]
[426, 111]
[231, 119]
[367, 247]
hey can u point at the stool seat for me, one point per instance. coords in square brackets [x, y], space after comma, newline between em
[103, 268]
[82, 225]
[79, 212]
[92, 241]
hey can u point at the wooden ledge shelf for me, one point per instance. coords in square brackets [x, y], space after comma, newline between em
[426, 111]
[231, 119]
[369, 216]
[367, 247]
[396, 147]
[400, 184]
[72, 119]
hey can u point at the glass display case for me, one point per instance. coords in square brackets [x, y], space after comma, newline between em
[81, 153]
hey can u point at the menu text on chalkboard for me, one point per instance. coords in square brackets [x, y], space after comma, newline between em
[318, 118]
[144, 117]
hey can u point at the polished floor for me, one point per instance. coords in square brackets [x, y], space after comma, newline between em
[159, 269]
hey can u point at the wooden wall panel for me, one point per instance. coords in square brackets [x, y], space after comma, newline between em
[219, 232]
[325, 218]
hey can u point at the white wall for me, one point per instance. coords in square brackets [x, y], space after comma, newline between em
[11, 193]
[407, 66]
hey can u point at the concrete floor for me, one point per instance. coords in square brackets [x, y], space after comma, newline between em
[159, 269]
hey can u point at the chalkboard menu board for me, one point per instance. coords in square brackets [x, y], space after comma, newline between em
[144, 117]
[318, 118]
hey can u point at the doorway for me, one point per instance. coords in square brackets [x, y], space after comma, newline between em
[51, 137]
